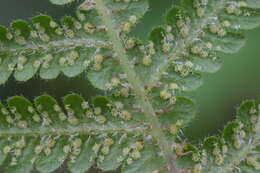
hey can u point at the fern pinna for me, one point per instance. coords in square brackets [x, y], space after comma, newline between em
[137, 127]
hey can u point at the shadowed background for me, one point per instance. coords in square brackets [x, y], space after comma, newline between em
[239, 78]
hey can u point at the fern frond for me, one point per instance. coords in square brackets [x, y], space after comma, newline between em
[236, 150]
[71, 47]
[44, 134]
[189, 43]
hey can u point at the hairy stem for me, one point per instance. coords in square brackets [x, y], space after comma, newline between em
[57, 44]
[85, 128]
[136, 85]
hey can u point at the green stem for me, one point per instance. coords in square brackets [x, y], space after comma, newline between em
[57, 44]
[136, 85]
[85, 128]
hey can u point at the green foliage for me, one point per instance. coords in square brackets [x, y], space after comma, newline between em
[144, 82]
[194, 34]
[71, 47]
[44, 134]
[237, 148]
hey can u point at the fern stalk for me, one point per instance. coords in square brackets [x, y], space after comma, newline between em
[59, 44]
[84, 129]
[136, 85]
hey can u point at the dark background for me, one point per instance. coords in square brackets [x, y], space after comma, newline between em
[221, 93]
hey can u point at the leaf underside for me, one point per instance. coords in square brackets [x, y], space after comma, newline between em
[43, 135]
[72, 46]
[178, 51]
[111, 132]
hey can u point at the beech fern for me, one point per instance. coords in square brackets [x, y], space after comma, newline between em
[136, 127]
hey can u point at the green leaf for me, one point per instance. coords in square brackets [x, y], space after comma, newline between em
[2, 154]
[150, 161]
[25, 163]
[6, 67]
[54, 160]
[231, 43]
[115, 157]
[86, 159]
[248, 20]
